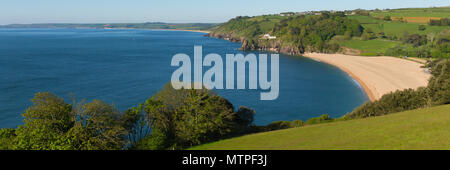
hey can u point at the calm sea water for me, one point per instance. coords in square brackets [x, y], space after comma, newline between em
[125, 67]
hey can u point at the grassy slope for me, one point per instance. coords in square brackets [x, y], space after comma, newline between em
[418, 129]
[442, 12]
[370, 46]
[395, 27]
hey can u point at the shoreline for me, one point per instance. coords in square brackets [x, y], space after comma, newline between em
[201, 31]
[377, 75]
[366, 89]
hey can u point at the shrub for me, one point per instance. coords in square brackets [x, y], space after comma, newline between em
[440, 22]
[415, 39]
[277, 125]
[325, 118]
[155, 141]
[52, 124]
[422, 28]
[189, 117]
[7, 136]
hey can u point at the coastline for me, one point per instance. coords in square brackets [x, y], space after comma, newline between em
[377, 75]
[366, 89]
[201, 31]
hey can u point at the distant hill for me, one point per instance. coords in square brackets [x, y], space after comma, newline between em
[148, 25]
[413, 32]
[417, 129]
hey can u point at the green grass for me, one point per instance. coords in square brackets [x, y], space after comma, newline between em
[417, 129]
[365, 19]
[393, 28]
[398, 28]
[442, 12]
[369, 46]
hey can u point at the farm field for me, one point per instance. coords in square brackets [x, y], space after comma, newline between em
[403, 22]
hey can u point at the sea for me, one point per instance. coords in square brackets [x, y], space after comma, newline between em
[125, 67]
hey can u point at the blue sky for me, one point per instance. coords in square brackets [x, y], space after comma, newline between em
[104, 11]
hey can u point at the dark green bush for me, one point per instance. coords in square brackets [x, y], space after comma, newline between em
[7, 137]
[155, 141]
[277, 125]
[325, 118]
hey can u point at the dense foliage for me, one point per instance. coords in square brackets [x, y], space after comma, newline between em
[296, 34]
[313, 33]
[440, 22]
[190, 117]
[171, 119]
[52, 124]
[277, 125]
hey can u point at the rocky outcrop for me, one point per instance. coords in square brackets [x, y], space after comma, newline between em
[226, 36]
[271, 45]
[260, 45]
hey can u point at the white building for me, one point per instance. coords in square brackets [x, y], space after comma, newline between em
[269, 37]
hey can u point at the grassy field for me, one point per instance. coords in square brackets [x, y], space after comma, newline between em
[369, 46]
[399, 28]
[415, 17]
[418, 129]
[441, 12]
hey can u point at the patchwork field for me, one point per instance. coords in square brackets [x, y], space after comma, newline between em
[390, 34]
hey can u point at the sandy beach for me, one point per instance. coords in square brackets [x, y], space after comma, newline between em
[378, 75]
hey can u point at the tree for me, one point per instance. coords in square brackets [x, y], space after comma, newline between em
[136, 123]
[189, 117]
[52, 124]
[98, 126]
[244, 118]
[7, 136]
[422, 28]
[387, 18]
[416, 39]
[46, 123]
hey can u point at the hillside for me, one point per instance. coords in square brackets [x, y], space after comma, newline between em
[413, 32]
[417, 129]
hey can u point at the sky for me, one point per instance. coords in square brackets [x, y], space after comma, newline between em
[176, 11]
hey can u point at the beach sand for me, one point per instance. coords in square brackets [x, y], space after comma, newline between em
[378, 75]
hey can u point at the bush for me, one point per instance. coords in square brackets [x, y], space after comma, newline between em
[415, 39]
[325, 118]
[52, 124]
[155, 141]
[7, 136]
[189, 117]
[422, 28]
[440, 22]
[277, 125]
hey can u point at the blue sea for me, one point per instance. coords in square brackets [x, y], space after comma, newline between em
[126, 67]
